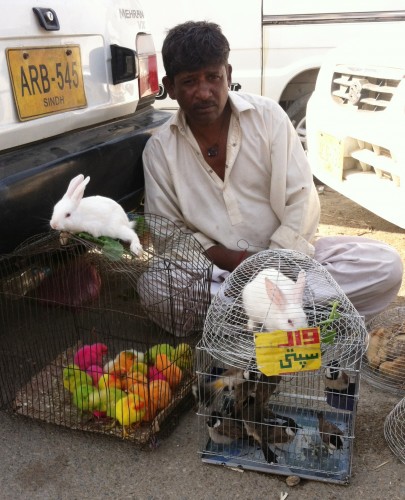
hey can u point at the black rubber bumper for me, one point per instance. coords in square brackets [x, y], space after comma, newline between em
[34, 178]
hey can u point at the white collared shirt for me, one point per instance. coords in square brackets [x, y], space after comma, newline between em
[267, 198]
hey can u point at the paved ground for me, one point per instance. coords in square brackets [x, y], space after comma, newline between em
[42, 461]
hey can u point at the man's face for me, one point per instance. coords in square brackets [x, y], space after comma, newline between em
[202, 94]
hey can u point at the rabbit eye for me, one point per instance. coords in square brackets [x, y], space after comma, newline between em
[67, 215]
[291, 322]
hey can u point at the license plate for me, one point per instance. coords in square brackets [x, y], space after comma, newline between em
[331, 154]
[46, 80]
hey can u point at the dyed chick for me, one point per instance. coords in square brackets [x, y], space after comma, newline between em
[129, 410]
[122, 363]
[89, 355]
[224, 430]
[104, 401]
[335, 378]
[330, 433]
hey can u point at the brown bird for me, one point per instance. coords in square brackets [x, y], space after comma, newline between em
[330, 433]
[252, 418]
[207, 391]
[224, 430]
[231, 378]
[281, 430]
[258, 385]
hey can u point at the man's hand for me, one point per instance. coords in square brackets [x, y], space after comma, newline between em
[225, 258]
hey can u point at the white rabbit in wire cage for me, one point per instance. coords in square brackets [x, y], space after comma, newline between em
[281, 290]
[274, 300]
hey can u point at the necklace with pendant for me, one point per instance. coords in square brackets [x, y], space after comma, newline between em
[213, 151]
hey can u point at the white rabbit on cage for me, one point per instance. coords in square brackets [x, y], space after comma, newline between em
[96, 215]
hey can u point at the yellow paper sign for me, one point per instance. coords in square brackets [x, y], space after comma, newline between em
[281, 352]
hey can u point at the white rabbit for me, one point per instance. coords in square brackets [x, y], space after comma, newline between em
[275, 301]
[96, 215]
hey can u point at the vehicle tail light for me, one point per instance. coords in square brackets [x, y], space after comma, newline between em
[148, 73]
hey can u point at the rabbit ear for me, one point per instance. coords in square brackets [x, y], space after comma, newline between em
[79, 191]
[274, 293]
[73, 185]
[300, 286]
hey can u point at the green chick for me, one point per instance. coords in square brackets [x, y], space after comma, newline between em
[73, 377]
[81, 397]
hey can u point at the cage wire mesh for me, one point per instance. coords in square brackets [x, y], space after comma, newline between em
[98, 339]
[246, 304]
[294, 422]
[394, 430]
[384, 361]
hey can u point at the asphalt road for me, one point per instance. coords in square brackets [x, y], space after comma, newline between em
[44, 461]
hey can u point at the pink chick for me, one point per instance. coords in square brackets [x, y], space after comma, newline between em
[99, 414]
[155, 374]
[90, 355]
[95, 373]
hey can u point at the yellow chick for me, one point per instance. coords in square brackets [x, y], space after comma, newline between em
[129, 410]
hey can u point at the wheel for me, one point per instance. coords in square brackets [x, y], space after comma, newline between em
[297, 114]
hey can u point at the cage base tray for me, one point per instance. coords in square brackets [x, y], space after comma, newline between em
[307, 458]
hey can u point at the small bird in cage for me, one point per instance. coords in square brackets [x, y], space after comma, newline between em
[252, 420]
[266, 427]
[258, 385]
[208, 390]
[274, 301]
[335, 378]
[96, 215]
[282, 430]
[231, 378]
[330, 433]
[224, 430]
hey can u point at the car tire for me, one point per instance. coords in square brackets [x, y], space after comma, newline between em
[297, 114]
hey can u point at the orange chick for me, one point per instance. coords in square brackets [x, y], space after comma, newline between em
[170, 370]
[123, 362]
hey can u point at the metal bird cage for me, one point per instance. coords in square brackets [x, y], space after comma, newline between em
[394, 430]
[69, 301]
[384, 361]
[227, 338]
[278, 369]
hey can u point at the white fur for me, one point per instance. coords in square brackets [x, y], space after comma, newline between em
[275, 301]
[96, 215]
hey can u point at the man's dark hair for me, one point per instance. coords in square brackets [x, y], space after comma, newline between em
[194, 45]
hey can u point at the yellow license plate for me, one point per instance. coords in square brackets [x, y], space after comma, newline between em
[46, 80]
[331, 154]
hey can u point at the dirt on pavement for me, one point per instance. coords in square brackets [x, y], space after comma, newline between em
[42, 461]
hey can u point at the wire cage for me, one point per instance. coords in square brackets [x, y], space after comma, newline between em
[394, 430]
[277, 405]
[237, 310]
[384, 361]
[97, 339]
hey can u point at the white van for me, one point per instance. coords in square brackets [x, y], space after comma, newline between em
[356, 124]
[278, 47]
